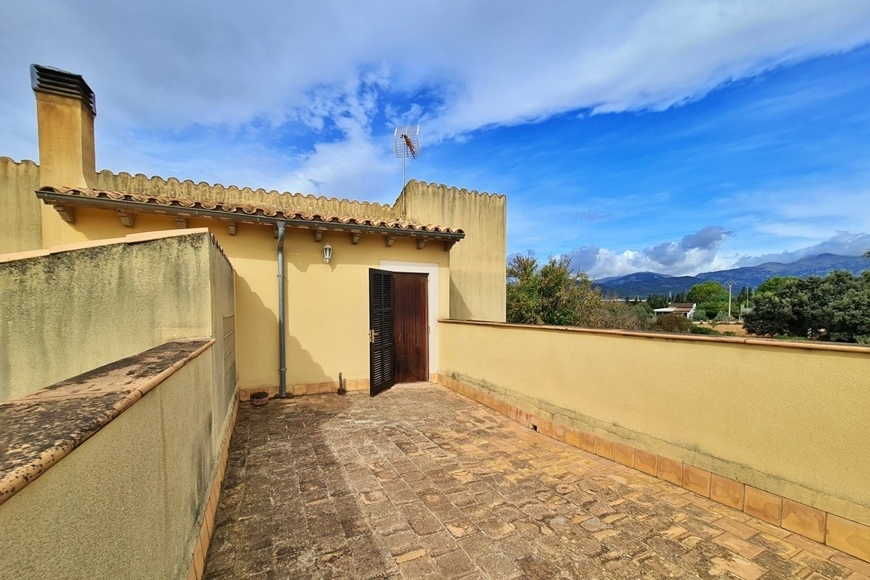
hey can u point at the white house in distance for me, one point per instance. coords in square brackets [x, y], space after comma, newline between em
[682, 308]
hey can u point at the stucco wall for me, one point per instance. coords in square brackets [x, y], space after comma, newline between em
[222, 291]
[127, 502]
[20, 222]
[791, 421]
[477, 263]
[327, 305]
[75, 308]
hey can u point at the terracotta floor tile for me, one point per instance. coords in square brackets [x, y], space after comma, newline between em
[421, 482]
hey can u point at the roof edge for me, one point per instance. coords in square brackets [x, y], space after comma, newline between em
[68, 197]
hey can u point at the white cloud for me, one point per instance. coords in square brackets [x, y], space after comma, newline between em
[166, 66]
[843, 244]
[697, 252]
[786, 219]
[701, 252]
[355, 167]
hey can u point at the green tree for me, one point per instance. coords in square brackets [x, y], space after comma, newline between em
[657, 301]
[774, 283]
[549, 294]
[711, 298]
[836, 307]
[523, 301]
[709, 291]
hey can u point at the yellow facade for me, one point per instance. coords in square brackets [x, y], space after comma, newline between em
[477, 265]
[327, 305]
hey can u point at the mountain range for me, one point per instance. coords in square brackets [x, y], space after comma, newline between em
[645, 283]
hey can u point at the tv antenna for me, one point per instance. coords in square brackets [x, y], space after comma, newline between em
[406, 143]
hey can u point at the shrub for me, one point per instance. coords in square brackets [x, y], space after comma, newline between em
[703, 330]
[672, 323]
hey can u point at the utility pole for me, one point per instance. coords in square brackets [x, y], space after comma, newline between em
[730, 284]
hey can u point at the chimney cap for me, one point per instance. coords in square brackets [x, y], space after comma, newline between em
[46, 79]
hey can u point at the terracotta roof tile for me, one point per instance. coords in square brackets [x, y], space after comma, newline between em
[242, 210]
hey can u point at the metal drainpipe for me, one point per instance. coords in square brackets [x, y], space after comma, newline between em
[282, 353]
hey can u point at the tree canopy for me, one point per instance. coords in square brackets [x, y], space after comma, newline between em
[657, 301]
[836, 307]
[775, 283]
[707, 291]
[711, 298]
[551, 294]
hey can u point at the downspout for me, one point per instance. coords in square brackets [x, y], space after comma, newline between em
[282, 352]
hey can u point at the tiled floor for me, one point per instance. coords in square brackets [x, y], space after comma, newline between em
[420, 482]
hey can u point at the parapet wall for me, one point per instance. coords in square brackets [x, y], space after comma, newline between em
[233, 195]
[124, 475]
[477, 263]
[137, 498]
[20, 221]
[777, 430]
[73, 308]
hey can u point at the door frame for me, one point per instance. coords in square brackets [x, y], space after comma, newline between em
[433, 297]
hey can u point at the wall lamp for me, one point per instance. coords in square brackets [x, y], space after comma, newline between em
[327, 253]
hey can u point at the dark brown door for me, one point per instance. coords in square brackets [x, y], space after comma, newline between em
[382, 362]
[410, 327]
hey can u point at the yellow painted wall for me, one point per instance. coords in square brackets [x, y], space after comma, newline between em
[327, 305]
[792, 421]
[477, 263]
[73, 309]
[20, 210]
[128, 502]
[327, 319]
[223, 328]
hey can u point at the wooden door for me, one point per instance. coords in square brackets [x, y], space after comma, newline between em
[411, 327]
[382, 362]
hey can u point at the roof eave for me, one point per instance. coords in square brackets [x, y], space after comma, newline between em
[60, 200]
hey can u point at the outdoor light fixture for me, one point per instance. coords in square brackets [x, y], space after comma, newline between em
[327, 253]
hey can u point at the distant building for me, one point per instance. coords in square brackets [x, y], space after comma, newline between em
[682, 308]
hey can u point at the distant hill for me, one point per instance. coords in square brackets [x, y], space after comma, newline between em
[645, 283]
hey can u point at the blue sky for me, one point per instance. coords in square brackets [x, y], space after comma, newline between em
[676, 137]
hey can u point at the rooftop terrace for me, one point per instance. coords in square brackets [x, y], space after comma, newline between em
[421, 482]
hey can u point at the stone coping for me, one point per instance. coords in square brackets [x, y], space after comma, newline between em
[40, 429]
[136, 238]
[842, 347]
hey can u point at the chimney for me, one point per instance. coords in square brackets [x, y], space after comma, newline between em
[65, 111]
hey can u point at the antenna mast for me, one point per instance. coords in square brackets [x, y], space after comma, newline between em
[406, 143]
